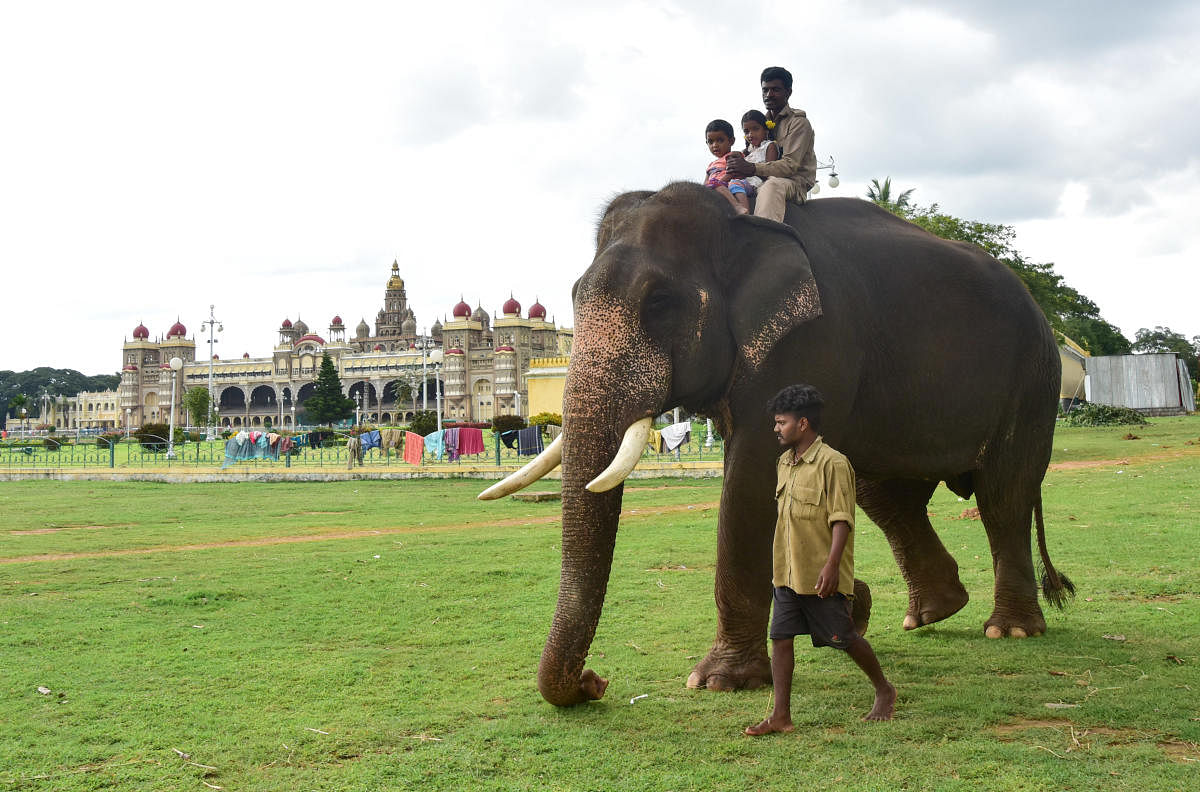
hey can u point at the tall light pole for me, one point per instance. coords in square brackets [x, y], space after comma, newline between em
[128, 413]
[424, 376]
[176, 365]
[24, 424]
[212, 322]
[437, 391]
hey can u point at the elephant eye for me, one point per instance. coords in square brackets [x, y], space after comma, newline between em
[657, 301]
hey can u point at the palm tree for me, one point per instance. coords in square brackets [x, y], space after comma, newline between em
[882, 195]
[17, 402]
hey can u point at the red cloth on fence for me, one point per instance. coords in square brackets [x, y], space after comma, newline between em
[414, 448]
[470, 441]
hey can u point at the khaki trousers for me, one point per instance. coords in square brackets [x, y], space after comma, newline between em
[773, 195]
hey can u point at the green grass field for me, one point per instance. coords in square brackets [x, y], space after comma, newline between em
[374, 635]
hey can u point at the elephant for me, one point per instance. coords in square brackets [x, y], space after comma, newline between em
[934, 360]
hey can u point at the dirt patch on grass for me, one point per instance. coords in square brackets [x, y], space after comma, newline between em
[1084, 464]
[264, 541]
[57, 528]
[1078, 738]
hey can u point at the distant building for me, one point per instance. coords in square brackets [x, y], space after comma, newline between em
[484, 368]
[1154, 384]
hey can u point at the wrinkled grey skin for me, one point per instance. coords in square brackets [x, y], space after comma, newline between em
[935, 363]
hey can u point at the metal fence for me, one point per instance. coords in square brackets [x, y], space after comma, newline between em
[194, 456]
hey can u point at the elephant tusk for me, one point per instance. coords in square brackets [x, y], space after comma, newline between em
[539, 466]
[626, 459]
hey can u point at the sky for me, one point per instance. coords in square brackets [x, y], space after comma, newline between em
[273, 159]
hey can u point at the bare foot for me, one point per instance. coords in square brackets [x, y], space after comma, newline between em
[739, 209]
[769, 725]
[885, 705]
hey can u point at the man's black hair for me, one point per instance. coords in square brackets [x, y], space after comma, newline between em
[803, 401]
[777, 73]
[756, 115]
[720, 125]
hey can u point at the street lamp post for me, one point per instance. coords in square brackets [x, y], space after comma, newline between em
[293, 413]
[128, 413]
[212, 322]
[176, 365]
[358, 410]
[437, 392]
[424, 376]
[24, 423]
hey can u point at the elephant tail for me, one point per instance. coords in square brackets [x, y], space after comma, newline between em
[1057, 588]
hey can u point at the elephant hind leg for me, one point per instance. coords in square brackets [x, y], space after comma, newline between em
[898, 507]
[1006, 507]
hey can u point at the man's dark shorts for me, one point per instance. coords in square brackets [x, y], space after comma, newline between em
[827, 620]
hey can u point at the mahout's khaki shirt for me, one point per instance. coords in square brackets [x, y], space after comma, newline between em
[793, 134]
[811, 494]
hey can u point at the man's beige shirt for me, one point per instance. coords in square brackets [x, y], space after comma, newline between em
[798, 162]
[811, 494]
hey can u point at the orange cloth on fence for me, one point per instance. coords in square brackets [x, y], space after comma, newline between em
[414, 448]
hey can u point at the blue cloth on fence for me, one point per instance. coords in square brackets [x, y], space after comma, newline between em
[529, 441]
[231, 452]
[452, 444]
[509, 438]
[435, 443]
[262, 446]
[369, 440]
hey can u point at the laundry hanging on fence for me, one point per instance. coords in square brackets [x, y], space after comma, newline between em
[676, 435]
[435, 443]
[529, 441]
[470, 441]
[654, 441]
[414, 448]
[354, 452]
[554, 430]
[391, 438]
[452, 444]
[369, 440]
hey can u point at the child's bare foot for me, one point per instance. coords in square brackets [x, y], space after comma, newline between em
[770, 725]
[741, 209]
[885, 705]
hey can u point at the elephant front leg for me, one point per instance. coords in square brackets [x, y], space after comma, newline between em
[738, 657]
[898, 507]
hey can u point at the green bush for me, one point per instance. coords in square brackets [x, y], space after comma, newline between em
[505, 423]
[543, 418]
[1103, 415]
[54, 443]
[153, 436]
[423, 422]
[108, 439]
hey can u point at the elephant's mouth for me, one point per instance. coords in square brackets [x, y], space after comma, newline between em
[618, 470]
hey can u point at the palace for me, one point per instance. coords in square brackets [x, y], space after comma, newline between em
[478, 364]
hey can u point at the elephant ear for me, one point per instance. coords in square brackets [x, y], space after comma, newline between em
[771, 286]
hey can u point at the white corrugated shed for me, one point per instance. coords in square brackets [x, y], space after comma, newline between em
[1156, 383]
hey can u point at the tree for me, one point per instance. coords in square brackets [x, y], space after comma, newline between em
[327, 404]
[403, 392]
[16, 403]
[882, 195]
[199, 406]
[1164, 339]
[423, 422]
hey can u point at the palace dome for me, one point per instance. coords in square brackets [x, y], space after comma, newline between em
[395, 282]
[129, 367]
[378, 348]
[511, 306]
[537, 311]
[140, 332]
[177, 330]
[363, 330]
[216, 357]
[408, 326]
[505, 348]
[454, 351]
[309, 337]
[286, 324]
[462, 310]
[337, 322]
[480, 315]
[245, 354]
[300, 327]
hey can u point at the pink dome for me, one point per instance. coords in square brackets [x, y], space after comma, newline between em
[337, 321]
[511, 306]
[140, 332]
[310, 337]
[216, 357]
[177, 330]
[287, 323]
[165, 366]
[379, 347]
[130, 367]
[245, 354]
[462, 310]
[537, 311]
[505, 348]
[454, 351]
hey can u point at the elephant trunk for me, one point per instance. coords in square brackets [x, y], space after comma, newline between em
[589, 532]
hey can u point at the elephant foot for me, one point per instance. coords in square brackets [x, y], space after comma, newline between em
[927, 608]
[728, 669]
[1002, 625]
